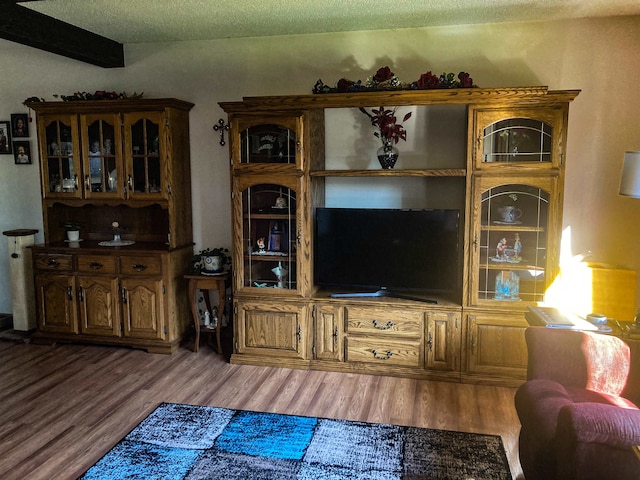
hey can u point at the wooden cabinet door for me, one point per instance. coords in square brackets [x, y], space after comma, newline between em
[57, 308]
[272, 329]
[102, 155]
[99, 306]
[61, 172]
[145, 154]
[142, 308]
[443, 341]
[496, 346]
[329, 332]
[271, 142]
[520, 137]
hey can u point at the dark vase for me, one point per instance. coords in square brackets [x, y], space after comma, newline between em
[387, 154]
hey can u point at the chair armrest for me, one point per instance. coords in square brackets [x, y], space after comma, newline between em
[578, 359]
[599, 423]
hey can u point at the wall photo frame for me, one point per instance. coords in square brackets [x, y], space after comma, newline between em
[19, 125]
[22, 153]
[5, 137]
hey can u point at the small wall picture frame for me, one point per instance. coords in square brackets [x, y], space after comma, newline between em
[5, 137]
[22, 153]
[19, 125]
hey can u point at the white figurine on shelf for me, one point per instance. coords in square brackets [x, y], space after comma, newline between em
[281, 274]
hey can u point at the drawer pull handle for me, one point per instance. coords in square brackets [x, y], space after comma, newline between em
[52, 262]
[387, 356]
[96, 265]
[69, 293]
[139, 267]
[430, 342]
[124, 296]
[389, 325]
[80, 294]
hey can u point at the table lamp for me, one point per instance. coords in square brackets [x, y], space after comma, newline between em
[630, 187]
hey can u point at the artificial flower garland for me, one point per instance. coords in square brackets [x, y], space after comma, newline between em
[385, 79]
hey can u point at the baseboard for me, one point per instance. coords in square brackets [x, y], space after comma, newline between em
[6, 321]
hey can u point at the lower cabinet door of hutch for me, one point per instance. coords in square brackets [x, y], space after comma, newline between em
[142, 308]
[443, 341]
[99, 306]
[272, 330]
[329, 333]
[57, 303]
[496, 346]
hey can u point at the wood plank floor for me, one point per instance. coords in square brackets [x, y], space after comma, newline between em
[62, 407]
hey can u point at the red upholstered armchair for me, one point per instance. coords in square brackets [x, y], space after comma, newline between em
[579, 407]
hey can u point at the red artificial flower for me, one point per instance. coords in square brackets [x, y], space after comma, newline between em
[386, 120]
[428, 80]
[383, 74]
[343, 85]
[465, 80]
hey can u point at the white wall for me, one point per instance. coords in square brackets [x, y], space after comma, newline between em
[597, 56]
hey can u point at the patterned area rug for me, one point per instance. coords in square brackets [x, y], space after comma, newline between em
[195, 443]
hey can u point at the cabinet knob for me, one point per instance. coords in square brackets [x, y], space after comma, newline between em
[87, 182]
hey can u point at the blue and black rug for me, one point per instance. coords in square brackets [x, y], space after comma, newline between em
[189, 442]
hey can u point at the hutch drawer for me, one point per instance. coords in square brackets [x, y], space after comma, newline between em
[53, 261]
[149, 265]
[383, 351]
[383, 321]
[96, 264]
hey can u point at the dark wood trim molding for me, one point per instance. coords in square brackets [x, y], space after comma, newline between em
[28, 27]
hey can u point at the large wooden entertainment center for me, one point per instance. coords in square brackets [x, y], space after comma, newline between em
[504, 171]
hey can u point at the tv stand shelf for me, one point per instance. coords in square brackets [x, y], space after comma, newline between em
[496, 155]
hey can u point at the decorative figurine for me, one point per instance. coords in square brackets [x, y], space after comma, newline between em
[281, 274]
[517, 247]
[260, 244]
[501, 248]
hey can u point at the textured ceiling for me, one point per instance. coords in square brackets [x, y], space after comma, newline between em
[136, 21]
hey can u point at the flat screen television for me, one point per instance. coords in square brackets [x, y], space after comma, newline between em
[394, 252]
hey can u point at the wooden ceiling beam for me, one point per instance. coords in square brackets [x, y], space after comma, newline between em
[34, 29]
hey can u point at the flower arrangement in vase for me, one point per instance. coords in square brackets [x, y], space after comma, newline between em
[390, 131]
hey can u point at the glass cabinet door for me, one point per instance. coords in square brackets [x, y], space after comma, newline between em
[143, 155]
[514, 241]
[61, 174]
[272, 140]
[266, 240]
[526, 137]
[101, 156]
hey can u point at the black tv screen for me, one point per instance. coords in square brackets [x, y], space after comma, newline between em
[392, 249]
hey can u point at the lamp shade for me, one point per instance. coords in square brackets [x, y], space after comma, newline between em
[630, 179]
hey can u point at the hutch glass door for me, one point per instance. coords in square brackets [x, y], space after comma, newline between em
[268, 234]
[510, 256]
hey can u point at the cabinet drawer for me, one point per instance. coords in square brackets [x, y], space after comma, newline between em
[384, 321]
[55, 262]
[96, 264]
[382, 351]
[141, 265]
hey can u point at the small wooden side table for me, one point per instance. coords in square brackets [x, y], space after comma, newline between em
[206, 283]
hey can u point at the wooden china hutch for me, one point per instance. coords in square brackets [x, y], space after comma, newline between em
[106, 161]
[504, 172]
